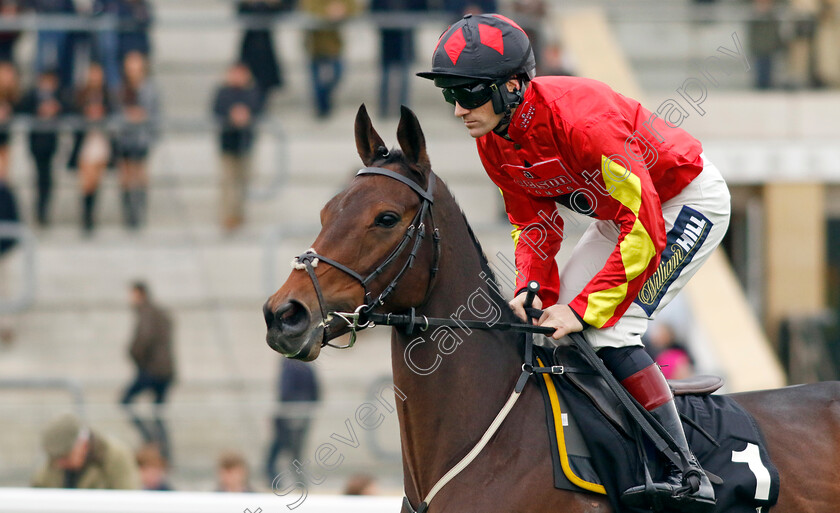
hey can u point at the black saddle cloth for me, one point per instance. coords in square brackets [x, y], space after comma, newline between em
[610, 458]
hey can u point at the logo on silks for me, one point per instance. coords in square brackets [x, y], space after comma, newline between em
[689, 231]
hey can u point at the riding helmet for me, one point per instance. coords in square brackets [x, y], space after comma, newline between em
[484, 47]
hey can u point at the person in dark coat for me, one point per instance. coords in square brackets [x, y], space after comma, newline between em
[153, 356]
[45, 104]
[9, 9]
[132, 19]
[8, 214]
[55, 47]
[9, 103]
[237, 105]
[257, 47]
[396, 54]
[298, 387]
[765, 41]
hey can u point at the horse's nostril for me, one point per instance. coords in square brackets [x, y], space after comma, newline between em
[268, 314]
[292, 318]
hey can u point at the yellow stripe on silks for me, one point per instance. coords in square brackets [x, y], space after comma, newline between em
[637, 249]
[601, 305]
[557, 414]
[514, 234]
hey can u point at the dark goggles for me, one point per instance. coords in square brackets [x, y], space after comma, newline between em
[470, 97]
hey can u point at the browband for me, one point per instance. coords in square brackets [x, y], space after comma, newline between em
[426, 195]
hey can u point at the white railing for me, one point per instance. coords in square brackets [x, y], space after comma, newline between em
[27, 500]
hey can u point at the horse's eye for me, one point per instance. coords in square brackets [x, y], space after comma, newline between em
[387, 220]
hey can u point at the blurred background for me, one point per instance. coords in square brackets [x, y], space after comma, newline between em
[161, 161]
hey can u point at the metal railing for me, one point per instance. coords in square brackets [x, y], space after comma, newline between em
[23, 500]
[271, 126]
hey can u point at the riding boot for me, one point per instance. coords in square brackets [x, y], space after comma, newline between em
[139, 202]
[88, 205]
[689, 492]
[125, 196]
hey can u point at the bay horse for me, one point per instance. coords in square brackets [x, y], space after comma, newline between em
[464, 382]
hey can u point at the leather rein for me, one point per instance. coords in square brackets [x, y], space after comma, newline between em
[416, 231]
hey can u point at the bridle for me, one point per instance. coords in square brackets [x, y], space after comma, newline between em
[416, 230]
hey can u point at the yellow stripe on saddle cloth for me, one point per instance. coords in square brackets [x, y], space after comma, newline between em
[560, 433]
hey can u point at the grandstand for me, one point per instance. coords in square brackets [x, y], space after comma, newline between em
[70, 349]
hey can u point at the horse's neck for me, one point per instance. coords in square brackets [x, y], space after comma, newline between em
[451, 399]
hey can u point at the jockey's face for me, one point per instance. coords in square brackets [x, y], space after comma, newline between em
[481, 120]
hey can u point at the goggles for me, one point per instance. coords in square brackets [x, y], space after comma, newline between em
[470, 97]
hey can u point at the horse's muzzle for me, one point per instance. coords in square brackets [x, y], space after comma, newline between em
[290, 330]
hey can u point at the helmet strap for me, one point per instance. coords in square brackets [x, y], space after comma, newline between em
[506, 102]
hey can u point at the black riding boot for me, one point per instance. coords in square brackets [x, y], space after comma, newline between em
[88, 205]
[672, 493]
[139, 202]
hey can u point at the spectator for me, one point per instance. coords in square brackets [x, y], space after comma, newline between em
[237, 105]
[135, 18]
[298, 392]
[671, 356]
[130, 33]
[529, 14]
[396, 55]
[232, 474]
[9, 9]
[93, 103]
[139, 109]
[324, 44]
[800, 47]
[361, 484]
[556, 61]
[8, 214]
[45, 104]
[257, 47]
[827, 45]
[153, 356]
[9, 98]
[153, 469]
[765, 41]
[55, 46]
[83, 458]
[458, 8]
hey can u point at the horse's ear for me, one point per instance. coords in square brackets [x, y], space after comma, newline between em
[368, 142]
[412, 141]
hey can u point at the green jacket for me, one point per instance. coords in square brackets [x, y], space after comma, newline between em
[110, 466]
[325, 40]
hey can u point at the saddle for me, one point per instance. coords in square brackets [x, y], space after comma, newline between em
[597, 448]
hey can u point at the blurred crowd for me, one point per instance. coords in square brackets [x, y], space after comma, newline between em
[78, 455]
[795, 44]
[89, 81]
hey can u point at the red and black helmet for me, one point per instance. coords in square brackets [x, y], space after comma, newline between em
[485, 47]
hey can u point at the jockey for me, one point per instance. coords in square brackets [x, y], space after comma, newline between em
[660, 206]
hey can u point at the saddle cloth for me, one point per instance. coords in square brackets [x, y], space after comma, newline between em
[595, 449]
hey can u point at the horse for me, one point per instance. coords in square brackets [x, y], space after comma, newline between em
[452, 387]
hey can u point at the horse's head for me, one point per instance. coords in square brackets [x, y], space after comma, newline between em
[369, 248]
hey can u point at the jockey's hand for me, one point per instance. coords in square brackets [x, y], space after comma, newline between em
[517, 304]
[562, 319]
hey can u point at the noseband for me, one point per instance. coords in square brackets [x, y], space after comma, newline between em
[416, 230]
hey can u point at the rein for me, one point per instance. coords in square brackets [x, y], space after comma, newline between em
[364, 317]
[416, 230]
